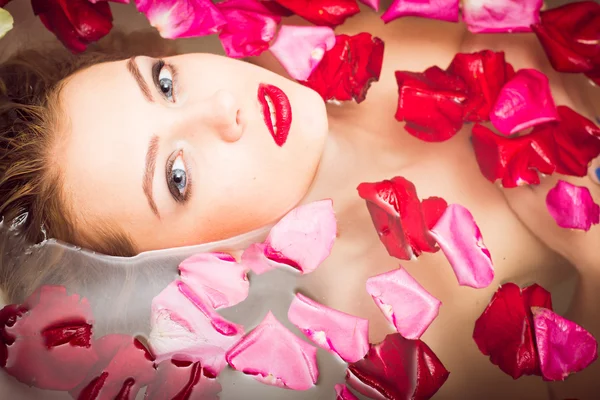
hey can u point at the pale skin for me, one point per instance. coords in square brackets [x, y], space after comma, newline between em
[243, 181]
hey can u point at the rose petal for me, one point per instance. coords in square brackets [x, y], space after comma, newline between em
[182, 380]
[182, 18]
[254, 258]
[300, 49]
[9, 315]
[275, 356]
[523, 102]
[343, 393]
[332, 330]
[563, 346]
[501, 15]
[404, 302]
[572, 206]
[185, 327]
[388, 370]
[221, 280]
[124, 366]
[432, 103]
[446, 10]
[504, 331]
[322, 12]
[398, 217]
[374, 4]
[347, 71]
[249, 29]
[460, 239]
[484, 73]
[433, 208]
[56, 332]
[6, 22]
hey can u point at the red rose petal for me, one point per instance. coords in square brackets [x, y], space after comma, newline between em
[347, 71]
[182, 380]
[433, 209]
[432, 103]
[484, 73]
[322, 12]
[8, 317]
[388, 370]
[398, 217]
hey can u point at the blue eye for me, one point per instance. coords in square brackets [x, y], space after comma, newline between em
[177, 178]
[597, 172]
[164, 79]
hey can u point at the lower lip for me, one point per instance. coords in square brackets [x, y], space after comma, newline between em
[283, 111]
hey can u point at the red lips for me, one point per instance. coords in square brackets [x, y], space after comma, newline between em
[274, 99]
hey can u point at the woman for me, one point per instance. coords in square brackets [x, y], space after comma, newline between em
[140, 154]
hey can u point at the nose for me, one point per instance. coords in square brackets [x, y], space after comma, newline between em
[222, 112]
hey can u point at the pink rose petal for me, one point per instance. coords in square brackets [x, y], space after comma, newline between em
[275, 356]
[374, 4]
[501, 15]
[254, 258]
[217, 276]
[300, 49]
[343, 393]
[446, 10]
[523, 102]
[460, 239]
[182, 18]
[332, 330]
[404, 302]
[572, 206]
[186, 328]
[563, 346]
[249, 29]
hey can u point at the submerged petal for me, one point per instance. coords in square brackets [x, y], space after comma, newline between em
[572, 206]
[343, 393]
[301, 48]
[501, 15]
[460, 239]
[404, 302]
[563, 346]
[339, 333]
[446, 10]
[523, 102]
[275, 356]
[182, 380]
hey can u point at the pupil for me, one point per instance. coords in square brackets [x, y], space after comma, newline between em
[179, 177]
[165, 85]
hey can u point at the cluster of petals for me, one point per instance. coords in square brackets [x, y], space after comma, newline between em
[445, 10]
[302, 239]
[523, 336]
[572, 206]
[488, 16]
[570, 36]
[402, 221]
[435, 103]
[565, 146]
[322, 12]
[347, 70]
[398, 368]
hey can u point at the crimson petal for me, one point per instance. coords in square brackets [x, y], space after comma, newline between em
[322, 12]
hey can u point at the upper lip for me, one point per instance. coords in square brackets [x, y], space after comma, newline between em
[277, 112]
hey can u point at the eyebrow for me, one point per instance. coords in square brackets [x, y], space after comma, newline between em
[134, 70]
[149, 173]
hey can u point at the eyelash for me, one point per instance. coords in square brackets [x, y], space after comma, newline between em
[157, 67]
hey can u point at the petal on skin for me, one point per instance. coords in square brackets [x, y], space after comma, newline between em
[221, 280]
[300, 49]
[250, 27]
[388, 370]
[432, 103]
[563, 346]
[54, 329]
[182, 18]
[504, 331]
[486, 16]
[374, 4]
[6, 22]
[347, 71]
[275, 356]
[182, 380]
[398, 216]
[343, 393]
[185, 327]
[523, 102]
[572, 206]
[124, 366]
[404, 302]
[459, 237]
[254, 258]
[322, 12]
[485, 73]
[446, 10]
[337, 332]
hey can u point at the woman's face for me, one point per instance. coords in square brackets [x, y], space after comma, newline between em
[182, 151]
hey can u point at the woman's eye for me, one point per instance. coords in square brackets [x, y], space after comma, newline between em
[177, 178]
[164, 79]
